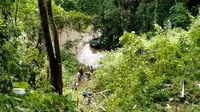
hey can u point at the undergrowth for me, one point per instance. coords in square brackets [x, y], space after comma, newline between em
[137, 73]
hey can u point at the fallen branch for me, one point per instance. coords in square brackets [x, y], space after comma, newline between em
[101, 92]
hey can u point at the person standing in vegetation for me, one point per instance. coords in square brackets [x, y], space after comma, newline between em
[91, 69]
[81, 70]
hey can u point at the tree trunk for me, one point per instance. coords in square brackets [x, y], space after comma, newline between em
[16, 13]
[52, 59]
[56, 46]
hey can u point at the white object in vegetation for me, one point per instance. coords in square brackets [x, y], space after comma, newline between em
[183, 90]
[19, 91]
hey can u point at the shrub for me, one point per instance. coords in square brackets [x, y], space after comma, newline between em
[137, 73]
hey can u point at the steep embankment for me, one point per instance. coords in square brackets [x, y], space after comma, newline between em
[81, 47]
[87, 56]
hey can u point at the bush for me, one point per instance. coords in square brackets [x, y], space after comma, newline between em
[36, 101]
[24, 99]
[137, 73]
[68, 44]
[70, 65]
[19, 62]
[179, 16]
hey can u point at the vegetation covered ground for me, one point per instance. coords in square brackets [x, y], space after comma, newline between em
[148, 74]
[152, 63]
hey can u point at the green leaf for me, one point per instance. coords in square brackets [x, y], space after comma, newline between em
[21, 84]
[69, 97]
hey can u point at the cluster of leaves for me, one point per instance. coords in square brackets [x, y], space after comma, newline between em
[69, 62]
[6, 2]
[72, 19]
[22, 57]
[19, 62]
[67, 5]
[24, 14]
[35, 100]
[19, 59]
[147, 75]
[179, 16]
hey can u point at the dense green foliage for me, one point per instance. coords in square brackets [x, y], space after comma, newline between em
[23, 57]
[19, 61]
[36, 101]
[147, 17]
[70, 63]
[67, 4]
[179, 16]
[137, 73]
[114, 17]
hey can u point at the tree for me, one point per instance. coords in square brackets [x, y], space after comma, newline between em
[67, 5]
[145, 16]
[179, 16]
[53, 52]
[5, 9]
